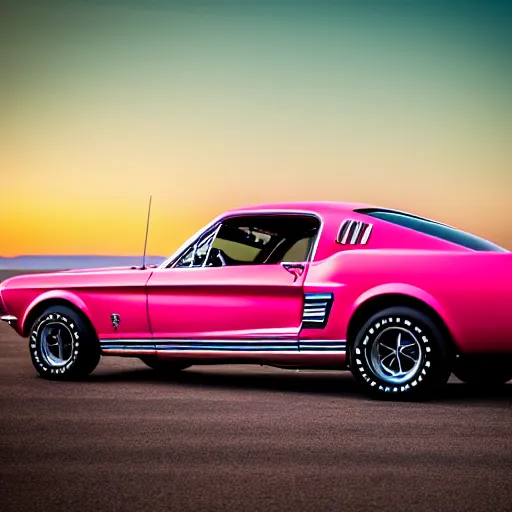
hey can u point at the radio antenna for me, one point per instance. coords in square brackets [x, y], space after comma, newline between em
[146, 239]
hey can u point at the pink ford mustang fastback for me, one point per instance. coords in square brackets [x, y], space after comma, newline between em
[401, 300]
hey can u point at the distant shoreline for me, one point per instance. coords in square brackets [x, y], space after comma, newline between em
[49, 262]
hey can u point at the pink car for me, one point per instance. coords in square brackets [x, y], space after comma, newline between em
[400, 300]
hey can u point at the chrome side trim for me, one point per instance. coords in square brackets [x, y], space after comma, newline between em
[9, 319]
[282, 346]
[196, 340]
[323, 345]
[169, 262]
[202, 345]
[224, 353]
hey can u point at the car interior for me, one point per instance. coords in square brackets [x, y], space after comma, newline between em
[254, 240]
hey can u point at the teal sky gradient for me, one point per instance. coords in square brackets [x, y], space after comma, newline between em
[406, 104]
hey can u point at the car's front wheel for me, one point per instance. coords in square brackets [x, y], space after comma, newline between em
[483, 370]
[62, 346]
[164, 366]
[400, 351]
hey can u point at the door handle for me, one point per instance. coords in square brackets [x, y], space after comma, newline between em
[295, 269]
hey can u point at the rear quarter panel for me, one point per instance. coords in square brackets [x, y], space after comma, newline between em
[471, 291]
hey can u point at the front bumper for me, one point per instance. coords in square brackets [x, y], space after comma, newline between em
[10, 319]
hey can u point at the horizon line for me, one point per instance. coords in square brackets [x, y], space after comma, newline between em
[81, 256]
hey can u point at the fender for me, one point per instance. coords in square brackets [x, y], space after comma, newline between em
[408, 291]
[55, 294]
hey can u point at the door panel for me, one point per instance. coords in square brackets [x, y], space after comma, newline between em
[238, 302]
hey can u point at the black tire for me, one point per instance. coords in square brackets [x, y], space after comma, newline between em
[425, 358]
[163, 366]
[77, 353]
[483, 371]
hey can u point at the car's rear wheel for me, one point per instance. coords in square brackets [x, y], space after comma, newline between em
[164, 366]
[62, 346]
[483, 370]
[400, 352]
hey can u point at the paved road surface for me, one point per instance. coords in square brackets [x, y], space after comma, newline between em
[235, 438]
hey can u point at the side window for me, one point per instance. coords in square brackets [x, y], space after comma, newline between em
[254, 240]
[237, 246]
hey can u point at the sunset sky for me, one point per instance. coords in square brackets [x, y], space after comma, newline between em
[214, 105]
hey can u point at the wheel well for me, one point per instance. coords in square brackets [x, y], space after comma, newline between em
[39, 309]
[380, 302]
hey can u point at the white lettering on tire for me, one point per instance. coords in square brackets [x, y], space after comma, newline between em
[34, 342]
[372, 332]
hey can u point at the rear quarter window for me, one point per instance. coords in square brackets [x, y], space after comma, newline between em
[432, 228]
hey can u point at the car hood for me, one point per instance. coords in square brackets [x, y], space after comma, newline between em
[91, 276]
[100, 269]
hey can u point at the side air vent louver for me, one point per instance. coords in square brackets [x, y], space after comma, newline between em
[353, 232]
[317, 307]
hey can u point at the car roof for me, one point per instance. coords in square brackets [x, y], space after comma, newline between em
[318, 207]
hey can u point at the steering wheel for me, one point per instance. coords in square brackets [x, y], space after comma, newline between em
[216, 258]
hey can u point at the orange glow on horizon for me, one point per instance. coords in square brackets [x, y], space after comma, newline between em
[138, 101]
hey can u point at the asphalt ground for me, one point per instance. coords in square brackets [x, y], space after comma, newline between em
[243, 438]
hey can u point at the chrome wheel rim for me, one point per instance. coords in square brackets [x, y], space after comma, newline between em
[57, 344]
[396, 355]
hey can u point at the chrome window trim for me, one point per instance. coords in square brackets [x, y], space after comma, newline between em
[208, 238]
[213, 237]
[175, 257]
